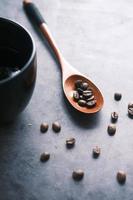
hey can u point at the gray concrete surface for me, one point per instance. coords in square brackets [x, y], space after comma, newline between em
[97, 38]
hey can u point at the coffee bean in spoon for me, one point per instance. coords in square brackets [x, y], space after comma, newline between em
[84, 85]
[121, 177]
[87, 94]
[78, 175]
[56, 127]
[91, 103]
[78, 84]
[111, 129]
[114, 117]
[80, 91]
[91, 98]
[82, 103]
[76, 95]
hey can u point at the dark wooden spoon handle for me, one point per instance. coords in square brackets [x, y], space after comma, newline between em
[33, 12]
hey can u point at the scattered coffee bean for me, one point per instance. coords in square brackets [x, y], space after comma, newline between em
[76, 95]
[82, 103]
[91, 104]
[111, 129]
[78, 175]
[96, 152]
[117, 96]
[70, 142]
[44, 157]
[84, 85]
[56, 127]
[130, 109]
[114, 116]
[44, 127]
[121, 177]
[78, 83]
[81, 97]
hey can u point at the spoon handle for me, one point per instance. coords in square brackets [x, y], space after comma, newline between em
[38, 19]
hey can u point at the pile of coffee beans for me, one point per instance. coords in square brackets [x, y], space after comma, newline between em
[83, 94]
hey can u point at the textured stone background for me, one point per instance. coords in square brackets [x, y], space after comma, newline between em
[96, 37]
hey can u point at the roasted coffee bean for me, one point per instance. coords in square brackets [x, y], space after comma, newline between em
[87, 94]
[91, 104]
[91, 98]
[114, 116]
[121, 177]
[130, 109]
[78, 83]
[44, 157]
[70, 142]
[96, 151]
[82, 103]
[111, 129]
[80, 91]
[117, 96]
[84, 85]
[44, 127]
[76, 95]
[56, 127]
[78, 175]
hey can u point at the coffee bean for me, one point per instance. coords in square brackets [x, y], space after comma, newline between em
[76, 95]
[70, 142]
[78, 175]
[114, 116]
[91, 104]
[44, 127]
[78, 83]
[56, 127]
[87, 94]
[91, 98]
[84, 85]
[121, 177]
[80, 91]
[44, 157]
[117, 96]
[111, 129]
[96, 152]
[82, 103]
[130, 109]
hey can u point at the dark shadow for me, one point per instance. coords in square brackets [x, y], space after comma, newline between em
[9, 127]
[82, 120]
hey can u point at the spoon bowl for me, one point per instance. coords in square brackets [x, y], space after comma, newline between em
[69, 88]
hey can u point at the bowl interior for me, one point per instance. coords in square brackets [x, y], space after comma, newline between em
[16, 45]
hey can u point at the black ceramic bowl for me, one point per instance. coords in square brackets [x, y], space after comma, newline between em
[17, 49]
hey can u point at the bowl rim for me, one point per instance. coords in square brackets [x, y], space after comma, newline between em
[32, 54]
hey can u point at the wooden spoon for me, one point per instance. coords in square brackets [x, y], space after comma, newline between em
[69, 74]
